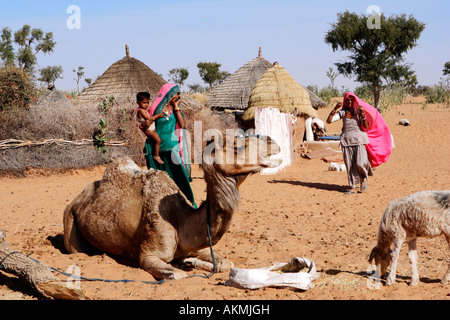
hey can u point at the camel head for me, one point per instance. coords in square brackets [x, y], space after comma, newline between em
[240, 156]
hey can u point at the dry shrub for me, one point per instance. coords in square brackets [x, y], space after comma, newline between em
[52, 117]
[202, 98]
[55, 117]
[48, 158]
[121, 126]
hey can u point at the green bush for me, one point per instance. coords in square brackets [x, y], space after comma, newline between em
[16, 89]
[327, 93]
[439, 93]
[388, 97]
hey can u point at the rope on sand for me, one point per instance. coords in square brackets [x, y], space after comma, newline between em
[14, 143]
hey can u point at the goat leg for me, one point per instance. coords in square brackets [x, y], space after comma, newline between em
[412, 254]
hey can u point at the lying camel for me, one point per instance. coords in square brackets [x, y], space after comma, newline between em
[142, 214]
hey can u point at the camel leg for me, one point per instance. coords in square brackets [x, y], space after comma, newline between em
[73, 239]
[206, 261]
[446, 278]
[160, 269]
[413, 260]
[394, 259]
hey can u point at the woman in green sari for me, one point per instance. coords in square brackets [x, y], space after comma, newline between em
[173, 151]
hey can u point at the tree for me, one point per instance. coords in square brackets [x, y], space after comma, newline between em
[6, 48]
[50, 74]
[210, 73]
[38, 276]
[30, 42]
[196, 87]
[178, 75]
[80, 74]
[332, 75]
[446, 70]
[376, 53]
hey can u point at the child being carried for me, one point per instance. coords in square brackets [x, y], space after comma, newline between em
[145, 122]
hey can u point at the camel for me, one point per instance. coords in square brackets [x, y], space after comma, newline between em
[142, 214]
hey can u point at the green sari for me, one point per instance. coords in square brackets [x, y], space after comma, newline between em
[174, 149]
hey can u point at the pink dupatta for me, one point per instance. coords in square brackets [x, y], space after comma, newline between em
[379, 147]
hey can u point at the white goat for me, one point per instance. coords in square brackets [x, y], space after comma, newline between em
[422, 214]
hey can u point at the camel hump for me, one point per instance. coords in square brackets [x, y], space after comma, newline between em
[119, 166]
[123, 172]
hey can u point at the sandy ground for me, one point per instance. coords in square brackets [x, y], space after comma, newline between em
[300, 211]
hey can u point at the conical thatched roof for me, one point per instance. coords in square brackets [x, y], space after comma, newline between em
[234, 91]
[123, 80]
[278, 89]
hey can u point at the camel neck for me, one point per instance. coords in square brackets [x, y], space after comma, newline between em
[222, 201]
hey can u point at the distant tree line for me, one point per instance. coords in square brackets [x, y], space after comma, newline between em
[376, 58]
[209, 72]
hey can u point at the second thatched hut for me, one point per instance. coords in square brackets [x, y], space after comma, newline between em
[233, 93]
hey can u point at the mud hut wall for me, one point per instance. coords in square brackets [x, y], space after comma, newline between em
[298, 132]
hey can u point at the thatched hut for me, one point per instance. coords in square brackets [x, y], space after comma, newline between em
[278, 89]
[234, 91]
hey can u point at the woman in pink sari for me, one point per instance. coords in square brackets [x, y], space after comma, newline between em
[365, 140]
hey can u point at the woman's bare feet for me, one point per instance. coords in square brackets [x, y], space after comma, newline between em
[158, 159]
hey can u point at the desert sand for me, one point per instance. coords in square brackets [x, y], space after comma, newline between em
[301, 211]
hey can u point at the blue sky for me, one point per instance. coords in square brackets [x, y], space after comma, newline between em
[174, 34]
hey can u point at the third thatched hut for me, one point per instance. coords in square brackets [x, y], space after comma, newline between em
[279, 90]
